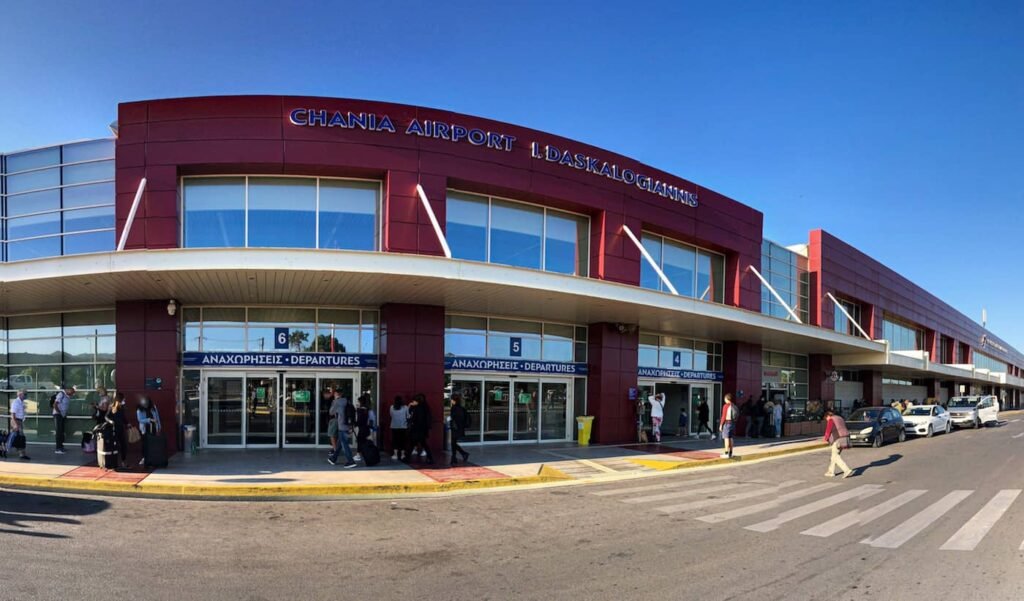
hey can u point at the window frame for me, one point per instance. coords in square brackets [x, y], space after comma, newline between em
[697, 250]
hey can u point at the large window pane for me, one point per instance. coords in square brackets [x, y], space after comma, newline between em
[466, 229]
[348, 214]
[516, 234]
[564, 240]
[34, 202]
[678, 264]
[33, 159]
[34, 249]
[88, 172]
[94, 242]
[88, 151]
[33, 225]
[649, 278]
[88, 195]
[89, 323]
[33, 180]
[216, 338]
[81, 220]
[710, 270]
[214, 212]
[282, 212]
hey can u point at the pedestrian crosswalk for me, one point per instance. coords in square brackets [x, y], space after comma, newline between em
[839, 505]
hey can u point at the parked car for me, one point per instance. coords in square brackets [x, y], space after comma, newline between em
[925, 420]
[973, 411]
[875, 426]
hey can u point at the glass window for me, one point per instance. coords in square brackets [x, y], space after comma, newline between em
[33, 226]
[468, 336]
[34, 202]
[222, 338]
[89, 151]
[348, 214]
[89, 195]
[33, 249]
[33, 159]
[93, 242]
[649, 278]
[678, 264]
[89, 322]
[466, 229]
[515, 234]
[81, 220]
[33, 180]
[88, 172]
[224, 315]
[214, 212]
[693, 272]
[282, 212]
[786, 271]
[565, 243]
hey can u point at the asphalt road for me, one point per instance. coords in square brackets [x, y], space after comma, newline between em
[771, 530]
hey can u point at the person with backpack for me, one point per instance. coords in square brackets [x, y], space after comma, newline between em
[730, 415]
[459, 423]
[838, 437]
[657, 402]
[60, 403]
[399, 429]
[16, 437]
[419, 426]
[345, 414]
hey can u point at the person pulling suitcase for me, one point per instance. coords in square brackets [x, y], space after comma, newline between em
[154, 445]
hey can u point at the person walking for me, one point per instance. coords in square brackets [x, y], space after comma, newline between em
[777, 419]
[117, 418]
[363, 427]
[759, 412]
[60, 406]
[399, 429]
[684, 423]
[459, 422]
[704, 418]
[657, 402]
[419, 426]
[16, 437]
[729, 417]
[838, 437]
[149, 423]
[345, 416]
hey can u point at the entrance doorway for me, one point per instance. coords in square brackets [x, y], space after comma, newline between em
[679, 396]
[515, 409]
[253, 409]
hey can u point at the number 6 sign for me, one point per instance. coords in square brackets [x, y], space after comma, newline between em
[281, 338]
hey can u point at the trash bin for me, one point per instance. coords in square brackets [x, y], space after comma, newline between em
[584, 424]
[189, 442]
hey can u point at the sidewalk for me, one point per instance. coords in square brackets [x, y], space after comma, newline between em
[306, 473]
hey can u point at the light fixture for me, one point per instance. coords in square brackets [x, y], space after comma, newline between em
[172, 307]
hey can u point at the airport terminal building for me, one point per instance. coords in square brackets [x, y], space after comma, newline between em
[233, 258]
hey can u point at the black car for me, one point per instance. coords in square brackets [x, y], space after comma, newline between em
[875, 426]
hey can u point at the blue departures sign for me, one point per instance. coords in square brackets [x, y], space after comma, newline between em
[514, 366]
[680, 374]
[281, 360]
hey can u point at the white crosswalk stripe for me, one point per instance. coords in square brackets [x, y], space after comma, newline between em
[678, 494]
[1018, 435]
[750, 494]
[758, 508]
[895, 538]
[863, 518]
[861, 492]
[663, 486]
[968, 537]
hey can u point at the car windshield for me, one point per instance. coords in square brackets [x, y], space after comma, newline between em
[865, 415]
[920, 411]
[963, 402]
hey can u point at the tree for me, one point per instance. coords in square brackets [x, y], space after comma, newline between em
[329, 344]
[297, 339]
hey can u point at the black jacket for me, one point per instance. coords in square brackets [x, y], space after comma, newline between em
[703, 412]
[460, 419]
[419, 419]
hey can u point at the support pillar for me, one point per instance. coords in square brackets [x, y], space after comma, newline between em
[872, 387]
[820, 384]
[612, 372]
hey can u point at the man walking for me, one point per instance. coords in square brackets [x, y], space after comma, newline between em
[459, 423]
[777, 417]
[61, 404]
[729, 417]
[18, 425]
[657, 402]
[838, 436]
[345, 414]
[703, 418]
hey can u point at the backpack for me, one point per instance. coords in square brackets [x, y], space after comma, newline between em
[53, 401]
[350, 414]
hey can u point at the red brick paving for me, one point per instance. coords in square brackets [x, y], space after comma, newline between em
[93, 472]
[460, 473]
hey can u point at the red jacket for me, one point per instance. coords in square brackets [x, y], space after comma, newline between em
[835, 426]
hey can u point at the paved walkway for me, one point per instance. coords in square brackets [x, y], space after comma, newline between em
[237, 473]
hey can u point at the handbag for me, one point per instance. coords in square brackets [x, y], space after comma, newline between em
[18, 442]
[133, 435]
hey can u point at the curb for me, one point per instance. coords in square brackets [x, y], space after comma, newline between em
[546, 475]
[662, 465]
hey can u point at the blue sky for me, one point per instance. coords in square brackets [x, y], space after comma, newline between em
[896, 126]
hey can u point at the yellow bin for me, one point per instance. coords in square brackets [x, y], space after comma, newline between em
[584, 424]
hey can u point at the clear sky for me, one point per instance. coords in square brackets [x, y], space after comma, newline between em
[897, 126]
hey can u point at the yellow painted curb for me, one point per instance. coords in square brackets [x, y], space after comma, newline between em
[665, 465]
[545, 475]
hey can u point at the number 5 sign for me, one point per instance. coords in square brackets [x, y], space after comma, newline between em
[281, 338]
[515, 347]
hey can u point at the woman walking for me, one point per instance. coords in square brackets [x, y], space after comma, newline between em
[459, 423]
[117, 418]
[399, 429]
[419, 427]
[149, 423]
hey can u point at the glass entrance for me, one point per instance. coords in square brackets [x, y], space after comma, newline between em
[510, 409]
[699, 395]
[261, 406]
[554, 410]
[300, 410]
[525, 410]
[223, 394]
[329, 383]
[470, 392]
[496, 401]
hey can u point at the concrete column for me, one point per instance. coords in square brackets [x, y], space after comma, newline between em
[412, 360]
[612, 372]
[872, 387]
[820, 385]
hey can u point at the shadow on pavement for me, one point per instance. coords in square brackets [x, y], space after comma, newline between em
[21, 509]
[859, 471]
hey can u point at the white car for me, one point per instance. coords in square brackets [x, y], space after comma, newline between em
[925, 420]
[973, 411]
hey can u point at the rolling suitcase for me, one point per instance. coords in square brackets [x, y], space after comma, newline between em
[104, 453]
[370, 453]
[154, 449]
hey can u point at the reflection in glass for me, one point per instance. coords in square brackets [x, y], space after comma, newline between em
[554, 403]
[261, 410]
[33, 249]
[33, 225]
[466, 228]
[648, 276]
[282, 212]
[80, 244]
[515, 234]
[35, 202]
[348, 214]
[33, 159]
[224, 411]
[88, 195]
[496, 410]
[88, 172]
[81, 220]
[33, 180]
[564, 244]
[526, 410]
[678, 264]
[214, 212]
[471, 391]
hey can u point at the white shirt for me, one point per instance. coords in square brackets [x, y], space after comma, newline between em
[18, 409]
[657, 407]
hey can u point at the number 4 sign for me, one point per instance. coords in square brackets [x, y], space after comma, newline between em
[281, 338]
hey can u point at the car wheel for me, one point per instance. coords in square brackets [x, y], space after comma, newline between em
[903, 436]
[977, 423]
[929, 433]
[949, 427]
[877, 442]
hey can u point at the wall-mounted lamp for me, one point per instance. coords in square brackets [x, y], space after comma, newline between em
[172, 307]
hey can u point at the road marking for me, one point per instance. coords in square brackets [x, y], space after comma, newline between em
[894, 538]
[714, 518]
[1018, 435]
[689, 493]
[727, 499]
[1013, 421]
[861, 492]
[863, 518]
[597, 466]
[674, 484]
[968, 537]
